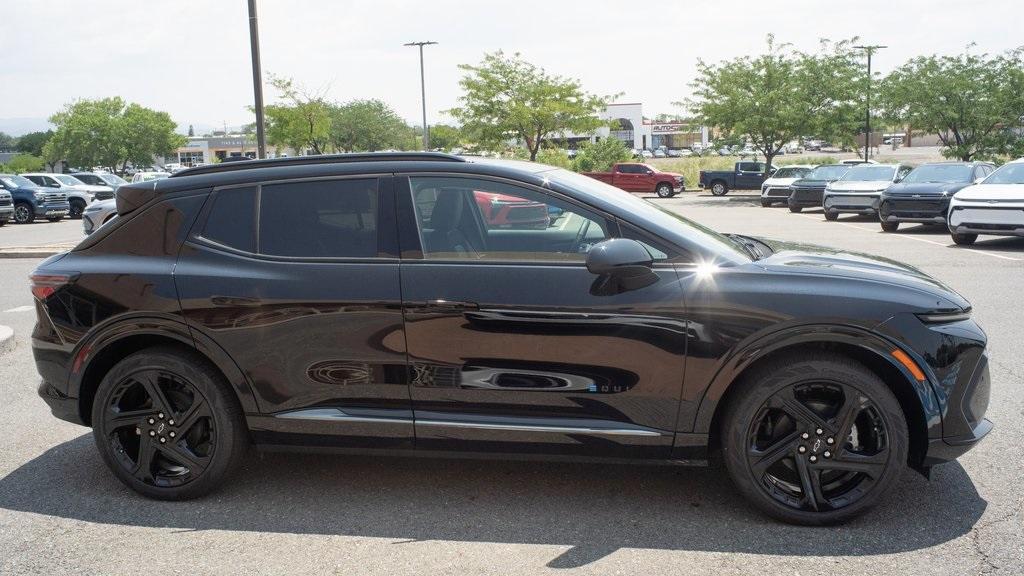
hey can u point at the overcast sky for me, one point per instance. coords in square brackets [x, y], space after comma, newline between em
[191, 57]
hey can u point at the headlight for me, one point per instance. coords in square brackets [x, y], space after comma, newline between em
[40, 196]
[944, 316]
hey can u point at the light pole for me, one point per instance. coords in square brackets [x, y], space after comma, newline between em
[423, 93]
[257, 80]
[867, 112]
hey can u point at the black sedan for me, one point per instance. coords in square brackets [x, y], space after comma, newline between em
[809, 191]
[364, 303]
[923, 196]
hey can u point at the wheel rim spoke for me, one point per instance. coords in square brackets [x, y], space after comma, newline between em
[764, 459]
[199, 409]
[144, 461]
[151, 382]
[808, 481]
[854, 403]
[872, 466]
[181, 455]
[787, 401]
[128, 418]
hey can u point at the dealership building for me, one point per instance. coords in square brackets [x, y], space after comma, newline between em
[206, 149]
[627, 123]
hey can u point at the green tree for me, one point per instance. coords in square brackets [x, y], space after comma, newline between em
[7, 142]
[972, 101]
[780, 95]
[33, 142]
[554, 157]
[301, 122]
[89, 132]
[367, 126]
[599, 156]
[508, 98]
[146, 133]
[445, 137]
[25, 163]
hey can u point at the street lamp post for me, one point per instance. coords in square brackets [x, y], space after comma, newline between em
[423, 93]
[867, 112]
[257, 80]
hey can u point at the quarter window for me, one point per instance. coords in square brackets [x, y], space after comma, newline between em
[473, 219]
[232, 219]
[321, 219]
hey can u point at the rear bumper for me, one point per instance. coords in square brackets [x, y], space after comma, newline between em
[61, 405]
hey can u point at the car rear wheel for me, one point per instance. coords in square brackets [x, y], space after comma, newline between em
[964, 239]
[831, 216]
[24, 213]
[814, 440]
[795, 209]
[167, 424]
[663, 191]
[765, 203]
[890, 226]
[76, 208]
[718, 188]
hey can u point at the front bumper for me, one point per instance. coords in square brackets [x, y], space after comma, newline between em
[851, 203]
[806, 197]
[775, 193]
[942, 450]
[919, 210]
[6, 213]
[996, 220]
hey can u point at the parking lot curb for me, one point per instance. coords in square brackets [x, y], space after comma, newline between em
[34, 251]
[6, 339]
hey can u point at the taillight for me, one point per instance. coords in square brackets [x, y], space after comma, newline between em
[44, 285]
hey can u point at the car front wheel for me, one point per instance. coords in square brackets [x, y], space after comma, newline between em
[964, 239]
[167, 424]
[24, 213]
[663, 191]
[795, 209]
[831, 216]
[890, 226]
[76, 208]
[814, 440]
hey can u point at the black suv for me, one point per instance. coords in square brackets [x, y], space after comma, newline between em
[923, 195]
[366, 302]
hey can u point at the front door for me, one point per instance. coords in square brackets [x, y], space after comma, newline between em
[298, 283]
[514, 345]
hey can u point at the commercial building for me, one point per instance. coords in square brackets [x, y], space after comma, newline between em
[627, 123]
[208, 149]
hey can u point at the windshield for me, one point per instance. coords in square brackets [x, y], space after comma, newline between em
[940, 173]
[791, 172]
[869, 173]
[828, 172]
[1007, 174]
[644, 209]
[113, 179]
[68, 180]
[18, 181]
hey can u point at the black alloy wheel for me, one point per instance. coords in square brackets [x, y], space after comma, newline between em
[825, 441]
[167, 425]
[831, 216]
[23, 213]
[76, 208]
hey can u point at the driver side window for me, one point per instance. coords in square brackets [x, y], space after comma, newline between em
[477, 219]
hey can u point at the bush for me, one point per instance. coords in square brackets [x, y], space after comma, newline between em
[599, 156]
[25, 163]
[554, 157]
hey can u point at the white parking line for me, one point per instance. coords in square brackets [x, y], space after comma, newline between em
[21, 309]
[905, 237]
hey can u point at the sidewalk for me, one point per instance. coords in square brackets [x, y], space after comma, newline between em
[39, 251]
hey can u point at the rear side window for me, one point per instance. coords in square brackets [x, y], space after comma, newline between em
[322, 219]
[232, 219]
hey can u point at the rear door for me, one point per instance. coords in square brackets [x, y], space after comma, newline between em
[298, 282]
[515, 346]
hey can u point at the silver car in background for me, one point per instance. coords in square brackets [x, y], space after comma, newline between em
[97, 214]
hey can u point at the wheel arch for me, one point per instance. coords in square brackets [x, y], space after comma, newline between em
[116, 342]
[917, 399]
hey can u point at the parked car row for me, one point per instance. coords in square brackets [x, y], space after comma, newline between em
[969, 198]
[52, 196]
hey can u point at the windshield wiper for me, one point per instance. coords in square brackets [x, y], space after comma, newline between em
[748, 245]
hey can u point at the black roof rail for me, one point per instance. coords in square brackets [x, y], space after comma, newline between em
[321, 159]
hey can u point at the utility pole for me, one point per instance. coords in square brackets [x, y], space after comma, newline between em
[423, 93]
[257, 80]
[867, 112]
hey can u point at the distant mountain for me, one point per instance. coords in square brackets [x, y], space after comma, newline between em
[19, 126]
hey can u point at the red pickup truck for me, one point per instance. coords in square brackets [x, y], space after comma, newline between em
[637, 177]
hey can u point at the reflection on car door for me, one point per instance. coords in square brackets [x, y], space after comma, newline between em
[513, 344]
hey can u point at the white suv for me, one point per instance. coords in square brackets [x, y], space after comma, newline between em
[776, 188]
[994, 206]
[859, 191]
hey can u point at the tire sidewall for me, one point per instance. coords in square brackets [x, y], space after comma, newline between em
[740, 413]
[230, 436]
[663, 191]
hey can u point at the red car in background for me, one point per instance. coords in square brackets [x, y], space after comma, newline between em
[504, 211]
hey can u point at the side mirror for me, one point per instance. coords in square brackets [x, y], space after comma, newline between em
[620, 257]
[772, 170]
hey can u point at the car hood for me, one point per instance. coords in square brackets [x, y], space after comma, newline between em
[808, 183]
[925, 188]
[95, 188]
[672, 174]
[820, 260]
[992, 192]
[35, 189]
[860, 186]
[779, 181]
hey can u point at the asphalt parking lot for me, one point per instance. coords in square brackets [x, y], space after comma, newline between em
[62, 512]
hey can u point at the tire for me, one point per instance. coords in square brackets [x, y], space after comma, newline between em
[831, 216]
[890, 226]
[964, 239]
[3, 222]
[765, 203]
[795, 209]
[663, 190]
[774, 387]
[719, 188]
[24, 213]
[76, 208]
[55, 219]
[208, 441]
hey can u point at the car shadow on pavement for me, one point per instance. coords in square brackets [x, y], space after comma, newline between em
[593, 509]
